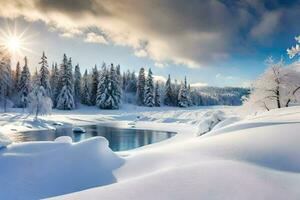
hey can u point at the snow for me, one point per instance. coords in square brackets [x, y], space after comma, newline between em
[252, 157]
[63, 139]
[4, 141]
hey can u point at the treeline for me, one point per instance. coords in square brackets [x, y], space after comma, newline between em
[105, 88]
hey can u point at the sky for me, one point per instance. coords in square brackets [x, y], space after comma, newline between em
[212, 42]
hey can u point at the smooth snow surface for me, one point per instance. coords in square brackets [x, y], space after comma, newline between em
[256, 157]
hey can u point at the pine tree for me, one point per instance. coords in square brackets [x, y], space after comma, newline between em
[110, 98]
[102, 89]
[65, 98]
[54, 81]
[77, 84]
[168, 97]
[149, 90]
[189, 93]
[24, 85]
[85, 94]
[183, 95]
[17, 75]
[5, 78]
[156, 95]
[140, 88]
[44, 79]
[94, 86]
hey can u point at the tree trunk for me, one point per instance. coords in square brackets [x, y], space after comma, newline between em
[278, 98]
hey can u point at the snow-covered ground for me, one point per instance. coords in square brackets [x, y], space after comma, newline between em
[256, 157]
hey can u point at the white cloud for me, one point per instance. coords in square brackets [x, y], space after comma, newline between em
[95, 38]
[160, 79]
[141, 53]
[159, 64]
[198, 84]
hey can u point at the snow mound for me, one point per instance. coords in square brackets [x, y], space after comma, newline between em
[4, 141]
[64, 139]
[36, 170]
[209, 121]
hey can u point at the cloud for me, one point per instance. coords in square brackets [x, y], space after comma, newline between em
[267, 25]
[220, 76]
[198, 84]
[160, 79]
[141, 53]
[95, 38]
[193, 34]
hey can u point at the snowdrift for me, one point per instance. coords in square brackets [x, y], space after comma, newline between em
[42, 169]
[257, 158]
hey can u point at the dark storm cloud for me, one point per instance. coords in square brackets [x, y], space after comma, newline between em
[194, 32]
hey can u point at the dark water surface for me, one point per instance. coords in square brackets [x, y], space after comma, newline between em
[120, 139]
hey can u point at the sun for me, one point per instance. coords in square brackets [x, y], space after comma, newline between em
[13, 44]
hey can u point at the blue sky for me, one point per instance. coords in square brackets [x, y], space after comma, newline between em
[218, 43]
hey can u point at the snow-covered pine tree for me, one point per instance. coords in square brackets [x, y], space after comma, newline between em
[85, 94]
[157, 95]
[44, 79]
[149, 90]
[168, 96]
[140, 88]
[175, 87]
[24, 85]
[77, 84]
[5, 78]
[94, 86]
[39, 103]
[54, 81]
[111, 97]
[183, 95]
[17, 74]
[189, 93]
[102, 89]
[65, 99]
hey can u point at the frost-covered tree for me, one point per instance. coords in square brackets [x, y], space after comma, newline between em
[140, 88]
[275, 88]
[65, 100]
[77, 84]
[94, 86]
[5, 78]
[183, 95]
[17, 74]
[295, 50]
[54, 81]
[110, 98]
[157, 95]
[85, 93]
[149, 90]
[39, 103]
[168, 96]
[102, 89]
[24, 85]
[44, 76]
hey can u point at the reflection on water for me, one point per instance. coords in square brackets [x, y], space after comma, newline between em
[119, 139]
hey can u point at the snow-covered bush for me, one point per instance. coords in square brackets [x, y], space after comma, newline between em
[38, 102]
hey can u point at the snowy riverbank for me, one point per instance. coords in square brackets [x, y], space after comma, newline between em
[255, 158]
